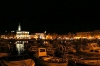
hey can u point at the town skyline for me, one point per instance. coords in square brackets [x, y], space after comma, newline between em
[20, 34]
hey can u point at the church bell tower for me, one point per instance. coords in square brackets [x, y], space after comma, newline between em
[19, 27]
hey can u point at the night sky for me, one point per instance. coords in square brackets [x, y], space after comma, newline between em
[52, 16]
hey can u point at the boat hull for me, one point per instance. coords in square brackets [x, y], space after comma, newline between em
[46, 63]
[55, 64]
[50, 52]
[87, 62]
[88, 53]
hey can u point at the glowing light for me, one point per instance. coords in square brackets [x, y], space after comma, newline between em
[12, 31]
[20, 48]
[77, 37]
[59, 37]
[19, 27]
[44, 31]
[22, 35]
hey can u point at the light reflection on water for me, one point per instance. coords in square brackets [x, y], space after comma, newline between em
[20, 47]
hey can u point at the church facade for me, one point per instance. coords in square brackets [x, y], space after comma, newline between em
[22, 34]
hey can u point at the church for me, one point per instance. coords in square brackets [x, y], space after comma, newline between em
[19, 34]
[22, 34]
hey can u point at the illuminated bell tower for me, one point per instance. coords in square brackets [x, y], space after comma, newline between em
[19, 27]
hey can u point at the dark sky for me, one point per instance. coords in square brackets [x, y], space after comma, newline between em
[52, 16]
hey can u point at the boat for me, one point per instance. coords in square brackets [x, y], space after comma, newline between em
[50, 50]
[17, 60]
[3, 51]
[48, 60]
[32, 49]
[90, 49]
[90, 61]
[71, 50]
[84, 60]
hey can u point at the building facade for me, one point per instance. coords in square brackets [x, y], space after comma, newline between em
[22, 34]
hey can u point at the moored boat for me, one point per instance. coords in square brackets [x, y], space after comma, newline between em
[90, 61]
[17, 60]
[50, 60]
[90, 48]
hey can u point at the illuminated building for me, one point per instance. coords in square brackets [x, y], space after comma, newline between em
[22, 34]
[87, 35]
[48, 37]
[96, 33]
[3, 36]
[9, 35]
[54, 35]
[38, 35]
[83, 34]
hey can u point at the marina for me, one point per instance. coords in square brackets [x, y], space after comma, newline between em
[61, 55]
[24, 51]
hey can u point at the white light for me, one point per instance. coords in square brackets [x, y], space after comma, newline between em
[19, 32]
[44, 31]
[12, 31]
[19, 28]
[59, 37]
[20, 47]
